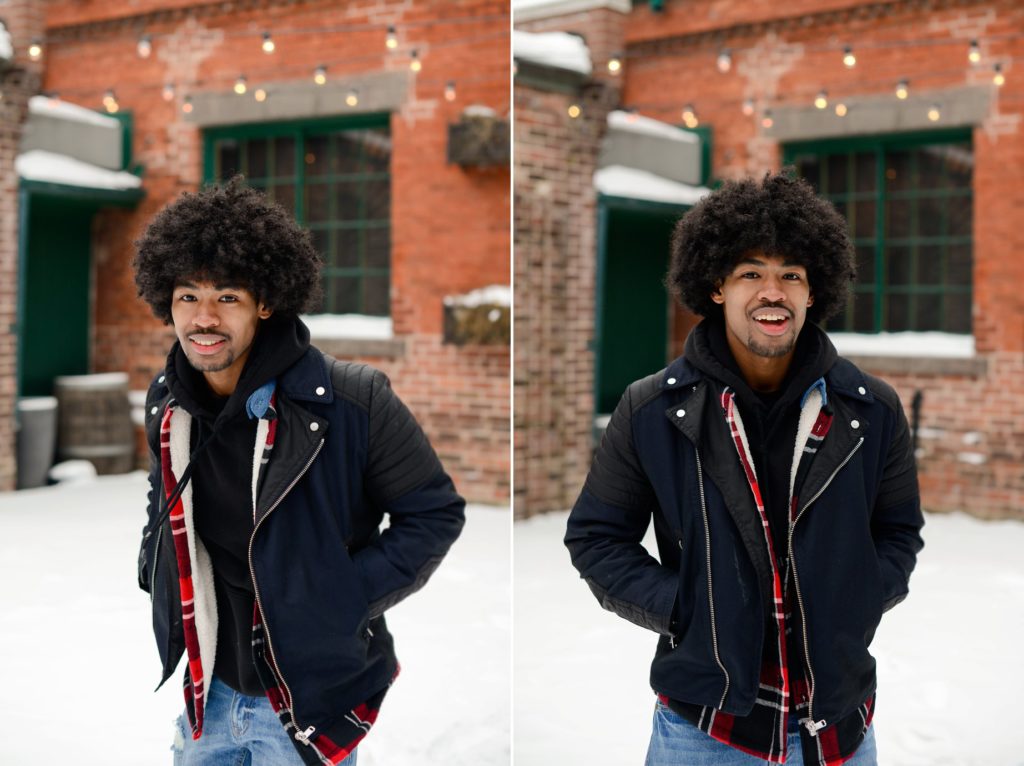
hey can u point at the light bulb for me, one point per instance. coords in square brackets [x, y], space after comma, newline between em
[352, 98]
[821, 100]
[268, 43]
[998, 77]
[168, 91]
[320, 75]
[848, 58]
[933, 113]
[902, 89]
[724, 62]
[841, 109]
[748, 107]
[260, 95]
[415, 64]
[392, 40]
[240, 86]
[574, 111]
[35, 50]
[145, 46]
[449, 91]
[974, 52]
[766, 120]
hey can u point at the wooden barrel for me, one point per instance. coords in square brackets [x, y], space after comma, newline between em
[94, 421]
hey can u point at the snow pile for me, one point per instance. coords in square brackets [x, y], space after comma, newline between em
[554, 49]
[636, 123]
[581, 673]
[620, 181]
[351, 326]
[79, 649]
[49, 167]
[499, 295]
[917, 344]
[54, 107]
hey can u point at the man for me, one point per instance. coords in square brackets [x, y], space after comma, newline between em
[783, 490]
[272, 467]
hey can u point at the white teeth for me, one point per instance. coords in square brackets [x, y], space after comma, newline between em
[199, 342]
[771, 317]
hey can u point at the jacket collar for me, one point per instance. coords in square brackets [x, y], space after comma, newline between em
[308, 380]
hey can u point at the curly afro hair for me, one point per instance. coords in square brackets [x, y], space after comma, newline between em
[780, 216]
[228, 235]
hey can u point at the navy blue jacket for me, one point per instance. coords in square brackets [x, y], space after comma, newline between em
[347, 453]
[667, 455]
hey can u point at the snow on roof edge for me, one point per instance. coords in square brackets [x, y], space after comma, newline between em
[50, 167]
[555, 49]
[65, 110]
[620, 181]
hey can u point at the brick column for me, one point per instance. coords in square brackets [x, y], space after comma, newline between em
[19, 81]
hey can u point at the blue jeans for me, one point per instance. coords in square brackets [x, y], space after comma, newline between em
[237, 731]
[677, 742]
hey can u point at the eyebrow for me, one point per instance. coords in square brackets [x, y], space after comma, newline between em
[759, 262]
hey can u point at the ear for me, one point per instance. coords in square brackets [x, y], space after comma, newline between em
[263, 312]
[810, 300]
[717, 296]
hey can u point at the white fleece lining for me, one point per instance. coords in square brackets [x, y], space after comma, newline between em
[808, 417]
[202, 567]
[262, 429]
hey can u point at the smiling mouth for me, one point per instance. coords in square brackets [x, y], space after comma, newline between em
[772, 322]
[207, 344]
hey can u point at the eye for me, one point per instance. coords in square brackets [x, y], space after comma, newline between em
[229, 299]
[749, 275]
[187, 298]
[793, 276]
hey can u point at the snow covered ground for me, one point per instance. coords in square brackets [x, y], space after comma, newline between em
[79, 663]
[950, 663]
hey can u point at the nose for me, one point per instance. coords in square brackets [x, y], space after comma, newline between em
[771, 290]
[206, 315]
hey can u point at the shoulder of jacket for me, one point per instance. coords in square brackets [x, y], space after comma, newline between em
[644, 391]
[846, 371]
[355, 382]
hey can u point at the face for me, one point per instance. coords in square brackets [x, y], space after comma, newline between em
[765, 300]
[216, 326]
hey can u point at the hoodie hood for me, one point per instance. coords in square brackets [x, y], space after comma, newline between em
[279, 343]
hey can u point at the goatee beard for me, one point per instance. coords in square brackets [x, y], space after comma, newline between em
[770, 352]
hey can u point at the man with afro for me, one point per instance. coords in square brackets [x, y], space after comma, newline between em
[781, 482]
[272, 468]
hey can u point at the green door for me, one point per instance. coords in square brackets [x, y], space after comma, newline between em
[55, 329]
[633, 306]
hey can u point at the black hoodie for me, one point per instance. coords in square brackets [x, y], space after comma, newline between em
[222, 483]
[770, 419]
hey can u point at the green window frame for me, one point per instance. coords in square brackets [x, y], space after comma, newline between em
[908, 200]
[334, 176]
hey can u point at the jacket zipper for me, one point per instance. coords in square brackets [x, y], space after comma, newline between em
[711, 595]
[812, 726]
[302, 735]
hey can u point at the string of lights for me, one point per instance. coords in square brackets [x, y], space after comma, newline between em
[278, 77]
[996, 66]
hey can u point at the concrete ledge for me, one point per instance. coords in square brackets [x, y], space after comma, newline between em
[378, 92]
[870, 115]
[976, 367]
[348, 348]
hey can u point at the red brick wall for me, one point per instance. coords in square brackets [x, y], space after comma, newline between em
[449, 224]
[785, 53]
[24, 21]
[555, 244]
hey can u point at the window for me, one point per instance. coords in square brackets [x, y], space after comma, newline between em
[909, 204]
[336, 180]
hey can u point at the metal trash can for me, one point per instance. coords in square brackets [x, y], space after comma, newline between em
[95, 421]
[37, 439]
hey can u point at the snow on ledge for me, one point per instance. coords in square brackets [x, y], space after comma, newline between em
[349, 326]
[54, 107]
[620, 181]
[554, 49]
[942, 345]
[6, 48]
[500, 295]
[636, 123]
[49, 167]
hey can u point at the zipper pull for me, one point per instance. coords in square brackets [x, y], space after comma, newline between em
[671, 642]
[303, 736]
[812, 726]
